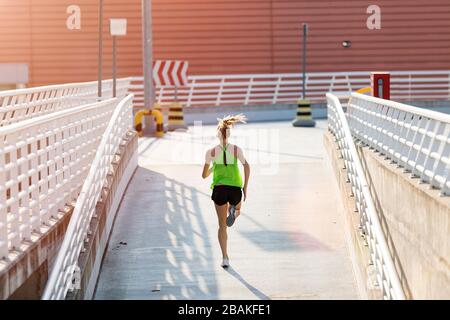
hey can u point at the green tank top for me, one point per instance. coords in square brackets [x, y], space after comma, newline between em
[228, 174]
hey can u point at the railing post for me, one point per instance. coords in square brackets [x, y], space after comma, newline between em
[369, 222]
[191, 92]
[349, 85]
[219, 94]
[306, 85]
[249, 90]
[277, 90]
[117, 125]
[160, 95]
[24, 201]
[448, 86]
[409, 86]
[332, 83]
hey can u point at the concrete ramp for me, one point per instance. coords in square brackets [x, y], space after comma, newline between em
[289, 242]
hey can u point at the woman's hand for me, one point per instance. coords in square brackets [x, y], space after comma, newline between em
[206, 169]
[244, 191]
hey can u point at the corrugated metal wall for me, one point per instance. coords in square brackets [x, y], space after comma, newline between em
[62, 55]
[227, 36]
[414, 34]
[218, 37]
[35, 32]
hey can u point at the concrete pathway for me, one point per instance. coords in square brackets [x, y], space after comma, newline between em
[288, 243]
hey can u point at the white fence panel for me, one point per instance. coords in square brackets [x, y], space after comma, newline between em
[60, 279]
[416, 139]
[21, 104]
[43, 164]
[250, 89]
[380, 257]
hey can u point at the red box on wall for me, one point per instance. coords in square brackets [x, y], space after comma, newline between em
[381, 85]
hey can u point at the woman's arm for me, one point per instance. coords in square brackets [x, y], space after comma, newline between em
[206, 169]
[244, 162]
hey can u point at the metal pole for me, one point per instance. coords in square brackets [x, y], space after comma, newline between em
[305, 34]
[114, 66]
[100, 47]
[147, 53]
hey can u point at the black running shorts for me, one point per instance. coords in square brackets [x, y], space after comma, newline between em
[222, 194]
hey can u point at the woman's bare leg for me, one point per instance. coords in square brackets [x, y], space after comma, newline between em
[222, 234]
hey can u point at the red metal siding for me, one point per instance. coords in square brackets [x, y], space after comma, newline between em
[62, 55]
[216, 37]
[414, 35]
[35, 32]
[15, 37]
[265, 36]
[227, 36]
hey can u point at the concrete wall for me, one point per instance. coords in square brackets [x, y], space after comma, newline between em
[416, 221]
[414, 218]
[25, 273]
[255, 113]
[209, 115]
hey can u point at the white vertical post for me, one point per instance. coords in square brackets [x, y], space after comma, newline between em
[349, 84]
[332, 83]
[160, 94]
[448, 86]
[14, 194]
[249, 92]
[277, 89]
[219, 94]
[23, 196]
[409, 86]
[191, 92]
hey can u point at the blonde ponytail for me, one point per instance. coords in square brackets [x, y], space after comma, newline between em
[225, 124]
[228, 121]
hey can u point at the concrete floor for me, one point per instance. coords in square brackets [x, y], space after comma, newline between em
[288, 243]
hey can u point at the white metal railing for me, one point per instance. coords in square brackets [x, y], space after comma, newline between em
[416, 139]
[43, 164]
[249, 89]
[21, 104]
[380, 257]
[60, 279]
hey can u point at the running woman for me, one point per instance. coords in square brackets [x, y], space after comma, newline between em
[227, 180]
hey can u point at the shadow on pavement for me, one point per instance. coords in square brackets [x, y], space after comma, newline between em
[159, 247]
[256, 292]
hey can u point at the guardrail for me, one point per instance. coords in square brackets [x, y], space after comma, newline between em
[250, 89]
[21, 104]
[387, 278]
[60, 279]
[43, 164]
[414, 138]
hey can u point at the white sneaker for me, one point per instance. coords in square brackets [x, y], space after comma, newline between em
[225, 263]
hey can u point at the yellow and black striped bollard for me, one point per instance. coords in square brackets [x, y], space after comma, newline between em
[304, 115]
[176, 118]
